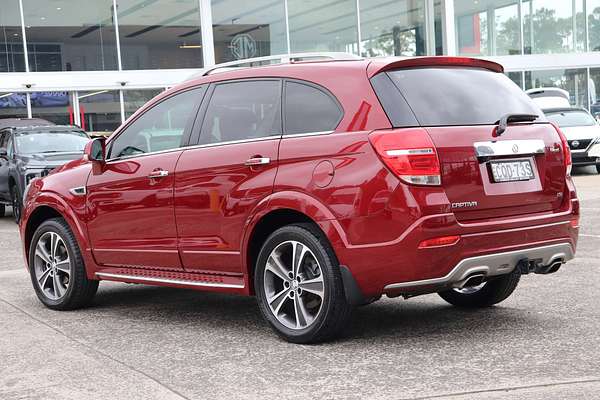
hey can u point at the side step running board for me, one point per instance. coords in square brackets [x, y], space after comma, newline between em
[167, 278]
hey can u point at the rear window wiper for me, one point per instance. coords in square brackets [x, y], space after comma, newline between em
[508, 118]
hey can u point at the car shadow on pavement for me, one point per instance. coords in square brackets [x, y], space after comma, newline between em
[397, 318]
[429, 315]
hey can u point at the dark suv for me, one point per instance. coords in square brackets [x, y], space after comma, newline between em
[316, 186]
[31, 148]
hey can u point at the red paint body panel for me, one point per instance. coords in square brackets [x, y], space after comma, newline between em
[215, 194]
[52, 192]
[195, 224]
[466, 179]
[131, 217]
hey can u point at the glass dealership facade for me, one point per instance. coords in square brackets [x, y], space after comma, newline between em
[94, 62]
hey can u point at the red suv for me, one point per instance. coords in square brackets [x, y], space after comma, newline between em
[316, 186]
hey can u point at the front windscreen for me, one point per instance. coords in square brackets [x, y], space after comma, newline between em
[56, 142]
[565, 119]
[442, 96]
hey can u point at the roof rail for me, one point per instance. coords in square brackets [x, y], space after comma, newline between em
[277, 59]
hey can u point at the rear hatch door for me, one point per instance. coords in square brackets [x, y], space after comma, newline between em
[485, 175]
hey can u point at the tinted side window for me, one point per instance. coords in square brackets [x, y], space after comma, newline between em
[160, 128]
[460, 96]
[242, 110]
[392, 101]
[308, 109]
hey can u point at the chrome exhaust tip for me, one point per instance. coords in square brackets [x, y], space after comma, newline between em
[471, 281]
[550, 268]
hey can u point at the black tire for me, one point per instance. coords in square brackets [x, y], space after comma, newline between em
[16, 203]
[598, 168]
[492, 292]
[334, 310]
[80, 289]
[2, 210]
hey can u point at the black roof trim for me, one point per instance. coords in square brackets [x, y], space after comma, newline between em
[562, 109]
[48, 129]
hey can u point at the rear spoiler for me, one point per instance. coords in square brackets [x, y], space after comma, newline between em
[385, 64]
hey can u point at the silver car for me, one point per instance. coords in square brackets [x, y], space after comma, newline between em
[582, 132]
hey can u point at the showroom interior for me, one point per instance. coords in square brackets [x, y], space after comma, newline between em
[94, 64]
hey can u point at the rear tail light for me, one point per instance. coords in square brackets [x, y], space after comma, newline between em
[566, 150]
[409, 154]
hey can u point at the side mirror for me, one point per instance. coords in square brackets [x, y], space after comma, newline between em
[95, 150]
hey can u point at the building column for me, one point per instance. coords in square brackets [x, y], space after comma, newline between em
[429, 28]
[206, 27]
[448, 28]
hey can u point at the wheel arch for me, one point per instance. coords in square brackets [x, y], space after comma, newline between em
[36, 218]
[265, 226]
[281, 217]
[279, 209]
[47, 206]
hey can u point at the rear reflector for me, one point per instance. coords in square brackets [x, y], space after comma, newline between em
[568, 160]
[439, 242]
[409, 154]
[575, 223]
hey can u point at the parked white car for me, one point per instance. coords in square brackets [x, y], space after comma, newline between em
[582, 132]
[549, 97]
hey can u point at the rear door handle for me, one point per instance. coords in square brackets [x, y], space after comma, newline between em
[160, 173]
[257, 161]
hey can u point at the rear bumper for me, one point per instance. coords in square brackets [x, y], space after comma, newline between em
[584, 160]
[591, 156]
[489, 265]
[489, 248]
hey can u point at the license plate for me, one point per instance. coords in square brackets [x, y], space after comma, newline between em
[511, 171]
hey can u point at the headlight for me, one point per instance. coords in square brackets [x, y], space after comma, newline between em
[26, 192]
[32, 173]
[31, 176]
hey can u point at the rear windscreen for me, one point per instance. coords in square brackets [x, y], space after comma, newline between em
[566, 119]
[442, 96]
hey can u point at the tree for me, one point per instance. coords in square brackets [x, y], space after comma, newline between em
[594, 29]
[550, 34]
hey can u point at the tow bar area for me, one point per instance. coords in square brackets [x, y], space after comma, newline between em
[527, 266]
[475, 270]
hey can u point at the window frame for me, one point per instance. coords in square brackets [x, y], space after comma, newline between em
[6, 142]
[322, 89]
[3, 135]
[10, 146]
[187, 132]
[201, 116]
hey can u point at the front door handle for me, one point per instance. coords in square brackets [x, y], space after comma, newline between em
[157, 174]
[257, 161]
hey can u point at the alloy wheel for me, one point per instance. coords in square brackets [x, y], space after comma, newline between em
[52, 265]
[294, 285]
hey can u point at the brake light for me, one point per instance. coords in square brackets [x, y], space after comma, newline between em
[409, 154]
[566, 150]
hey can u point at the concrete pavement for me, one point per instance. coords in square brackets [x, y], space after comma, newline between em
[141, 342]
